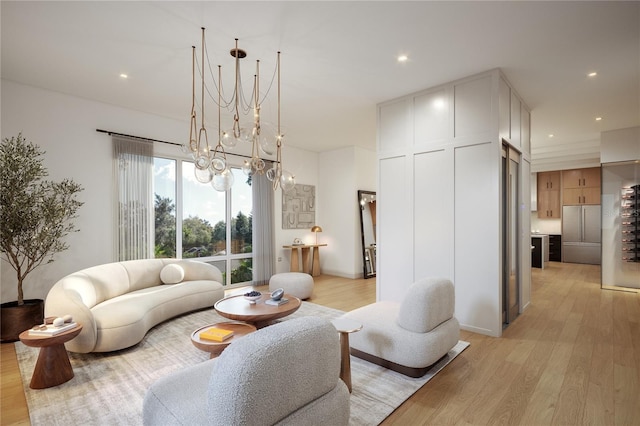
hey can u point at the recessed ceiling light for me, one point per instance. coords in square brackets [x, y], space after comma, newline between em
[592, 74]
[403, 58]
[551, 135]
[124, 76]
[598, 118]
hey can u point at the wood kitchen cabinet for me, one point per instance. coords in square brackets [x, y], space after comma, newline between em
[578, 196]
[581, 186]
[581, 178]
[549, 206]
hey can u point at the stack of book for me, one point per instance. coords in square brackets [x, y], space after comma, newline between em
[216, 334]
[276, 302]
[50, 329]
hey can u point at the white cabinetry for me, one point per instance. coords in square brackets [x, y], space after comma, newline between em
[439, 200]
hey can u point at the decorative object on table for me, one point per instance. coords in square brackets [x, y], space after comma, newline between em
[53, 325]
[316, 229]
[277, 294]
[253, 296]
[211, 164]
[276, 298]
[297, 242]
[299, 207]
[35, 216]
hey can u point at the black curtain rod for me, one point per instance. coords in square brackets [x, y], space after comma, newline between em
[110, 133]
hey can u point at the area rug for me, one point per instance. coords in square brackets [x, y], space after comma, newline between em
[108, 389]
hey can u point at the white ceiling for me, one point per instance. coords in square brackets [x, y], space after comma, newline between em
[339, 59]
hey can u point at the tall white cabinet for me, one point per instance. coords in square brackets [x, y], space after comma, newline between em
[440, 198]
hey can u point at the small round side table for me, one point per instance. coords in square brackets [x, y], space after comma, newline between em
[344, 327]
[53, 367]
[215, 348]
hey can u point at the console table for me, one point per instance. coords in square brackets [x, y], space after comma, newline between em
[310, 264]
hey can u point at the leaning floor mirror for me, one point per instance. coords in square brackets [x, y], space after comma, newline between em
[367, 204]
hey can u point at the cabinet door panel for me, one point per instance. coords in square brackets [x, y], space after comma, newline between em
[572, 196]
[591, 177]
[549, 205]
[548, 181]
[591, 195]
[572, 179]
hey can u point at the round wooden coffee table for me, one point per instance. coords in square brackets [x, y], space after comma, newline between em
[259, 314]
[53, 367]
[215, 348]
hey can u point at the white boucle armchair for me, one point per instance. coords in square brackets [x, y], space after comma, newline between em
[411, 336]
[284, 374]
[117, 303]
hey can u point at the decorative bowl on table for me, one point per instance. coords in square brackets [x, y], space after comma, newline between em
[277, 294]
[252, 296]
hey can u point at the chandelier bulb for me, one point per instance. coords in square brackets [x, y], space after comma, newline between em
[228, 140]
[202, 162]
[218, 165]
[203, 175]
[185, 148]
[223, 181]
[246, 167]
[287, 181]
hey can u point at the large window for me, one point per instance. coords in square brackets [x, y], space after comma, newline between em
[193, 220]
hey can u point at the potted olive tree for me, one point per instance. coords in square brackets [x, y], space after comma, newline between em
[35, 216]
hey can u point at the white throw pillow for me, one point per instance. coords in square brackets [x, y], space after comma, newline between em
[172, 274]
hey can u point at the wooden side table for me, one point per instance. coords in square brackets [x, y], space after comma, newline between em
[215, 348]
[53, 367]
[344, 327]
[309, 266]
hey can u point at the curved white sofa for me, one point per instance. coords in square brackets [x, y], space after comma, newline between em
[117, 303]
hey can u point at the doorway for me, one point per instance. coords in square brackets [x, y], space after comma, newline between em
[510, 256]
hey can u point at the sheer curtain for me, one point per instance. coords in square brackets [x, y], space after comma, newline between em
[263, 232]
[133, 198]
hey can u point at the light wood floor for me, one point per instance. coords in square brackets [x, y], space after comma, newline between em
[573, 358]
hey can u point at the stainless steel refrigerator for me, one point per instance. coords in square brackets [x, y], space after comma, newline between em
[581, 234]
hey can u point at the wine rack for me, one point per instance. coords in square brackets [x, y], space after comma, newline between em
[630, 209]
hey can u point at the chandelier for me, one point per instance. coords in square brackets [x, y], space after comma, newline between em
[211, 165]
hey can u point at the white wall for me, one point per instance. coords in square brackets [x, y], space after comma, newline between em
[545, 226]
[620, 145]
[304, 166]
[342, 173]
[65, 127]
